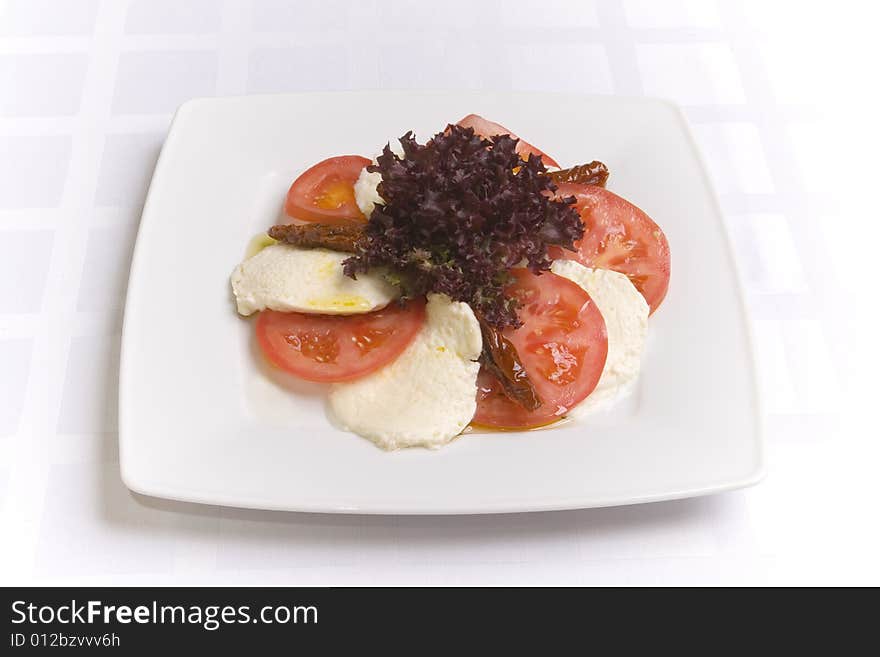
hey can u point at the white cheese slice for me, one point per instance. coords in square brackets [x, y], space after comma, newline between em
[427, 396]
[365, 193]
[291, 279]
[626, 320]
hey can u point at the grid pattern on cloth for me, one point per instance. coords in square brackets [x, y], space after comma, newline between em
[87, 89]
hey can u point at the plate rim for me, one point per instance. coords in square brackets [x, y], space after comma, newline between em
[137, 485]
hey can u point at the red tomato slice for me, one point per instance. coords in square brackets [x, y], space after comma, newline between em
[562, 345]
[486, 128]
[325, 192]
[329, 348]
[620, 237]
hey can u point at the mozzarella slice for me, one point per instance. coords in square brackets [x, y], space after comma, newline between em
[365, 193]
[426, 396]
[626, 320]
[287, 278]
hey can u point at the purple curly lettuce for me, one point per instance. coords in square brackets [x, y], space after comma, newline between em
[461, 211]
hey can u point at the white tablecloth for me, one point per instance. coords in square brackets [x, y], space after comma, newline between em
[774, 93]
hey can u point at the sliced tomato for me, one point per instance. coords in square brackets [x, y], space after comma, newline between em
[562, 345]
[328, 348]
[620, 237]
[325, 192]
[486, 128]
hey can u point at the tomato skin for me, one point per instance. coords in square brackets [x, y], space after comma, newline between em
[562, 345]
[325, 191]
[621, 237]
[334, 348]
[486, 128]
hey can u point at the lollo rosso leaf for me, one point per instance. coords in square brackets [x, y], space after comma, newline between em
[460, 211]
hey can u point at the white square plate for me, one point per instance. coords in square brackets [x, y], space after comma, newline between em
[201, 420]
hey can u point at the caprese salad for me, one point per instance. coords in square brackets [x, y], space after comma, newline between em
[464, 281]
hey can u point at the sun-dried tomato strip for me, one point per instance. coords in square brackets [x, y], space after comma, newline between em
[336, 237]
[594, 173]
